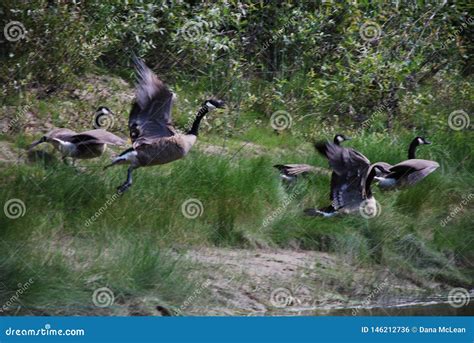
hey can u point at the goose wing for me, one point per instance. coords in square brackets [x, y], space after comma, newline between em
[98, 136]
[385, 165]
[297, 169]
[345, 191]
[412, 171]
[343, 160]
[350, 169]
[62, 134]
[150, 117]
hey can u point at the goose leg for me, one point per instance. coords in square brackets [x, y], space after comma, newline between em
[114, 162]
[121, 189]
[328, 211]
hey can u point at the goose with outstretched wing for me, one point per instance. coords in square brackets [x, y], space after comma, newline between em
[290, 172]
[408, 172]
[154, 138]
[351, 180]
[83, 145]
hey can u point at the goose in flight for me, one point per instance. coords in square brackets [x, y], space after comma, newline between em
[154, 139]
[351, 181]
[289, 172]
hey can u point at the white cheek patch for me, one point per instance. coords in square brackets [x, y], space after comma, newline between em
[420, 141]
[210, 106]
[105, 111]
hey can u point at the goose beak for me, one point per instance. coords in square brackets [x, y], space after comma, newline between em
[427, 142]
[36, 143]
[214, 103]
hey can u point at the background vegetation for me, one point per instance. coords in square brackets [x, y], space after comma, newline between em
[375, 71]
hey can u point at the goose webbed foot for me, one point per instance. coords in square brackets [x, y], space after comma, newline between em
[126, 185]
[122, 188]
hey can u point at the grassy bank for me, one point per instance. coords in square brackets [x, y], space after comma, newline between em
[76, 235]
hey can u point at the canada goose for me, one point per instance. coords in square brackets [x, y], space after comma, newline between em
[350, 181]
[154, 139]
[408, 172]
[289, 172]
[414, 144]
[83, 145]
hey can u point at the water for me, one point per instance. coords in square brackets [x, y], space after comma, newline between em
[431, 307]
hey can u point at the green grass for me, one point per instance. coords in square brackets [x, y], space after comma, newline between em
[135, 245]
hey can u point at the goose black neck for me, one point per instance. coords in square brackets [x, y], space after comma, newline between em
[195, 128]
[368, 182]
[412, 149]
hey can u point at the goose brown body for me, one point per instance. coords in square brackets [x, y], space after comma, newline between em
[164, 150]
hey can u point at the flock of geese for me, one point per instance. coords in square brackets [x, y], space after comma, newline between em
[155, 141]
[353, 174]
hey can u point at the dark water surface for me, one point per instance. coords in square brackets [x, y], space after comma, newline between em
[400, 307]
